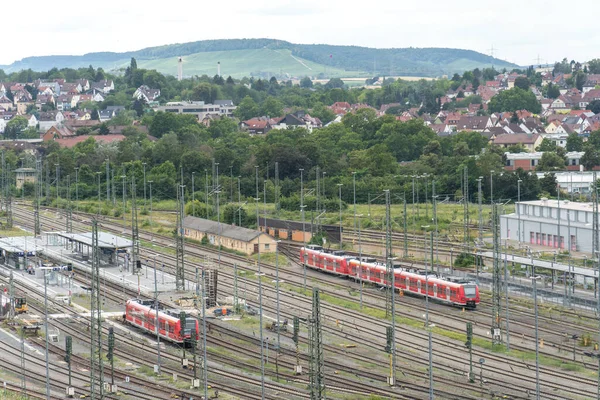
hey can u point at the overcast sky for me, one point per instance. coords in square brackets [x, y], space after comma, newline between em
[519, 30]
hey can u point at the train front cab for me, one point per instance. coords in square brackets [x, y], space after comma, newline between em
[470, 295]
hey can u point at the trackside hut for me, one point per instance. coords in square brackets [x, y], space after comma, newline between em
[232, 237]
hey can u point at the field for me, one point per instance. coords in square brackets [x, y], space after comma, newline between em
[240, 63]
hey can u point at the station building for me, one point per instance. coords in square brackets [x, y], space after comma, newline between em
[233, 237]
[558, 225]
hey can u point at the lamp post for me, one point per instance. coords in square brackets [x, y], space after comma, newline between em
[193, 197]
[519, 209]
[428, 327]
[340, 197]
[303, 224]
[77, 189]
[144, 165]
[239, 201]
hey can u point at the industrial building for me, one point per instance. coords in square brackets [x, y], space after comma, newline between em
[551, 223]
[233, 237]
[222, 108]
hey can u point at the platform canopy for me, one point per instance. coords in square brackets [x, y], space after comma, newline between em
[19, 245]
[105, 240]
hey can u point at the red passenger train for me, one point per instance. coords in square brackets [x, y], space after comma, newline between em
[449, 291]
[143, 315]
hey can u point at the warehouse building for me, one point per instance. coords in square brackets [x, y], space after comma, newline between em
[233, 237]
[557, 225]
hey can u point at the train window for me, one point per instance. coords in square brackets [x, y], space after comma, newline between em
[470, 290]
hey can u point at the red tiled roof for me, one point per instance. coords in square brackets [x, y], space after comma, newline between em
[71, 142]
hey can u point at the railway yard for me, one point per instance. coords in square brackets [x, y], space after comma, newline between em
[240, 366]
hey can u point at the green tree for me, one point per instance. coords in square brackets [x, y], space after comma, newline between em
[306, 82]
[334, 83]
[272, 107]
[574, 142]
[522, 83]
[594, 106]
[246, 109]
[551, 162]
[15, 127]
[95, 115]
[514, 99]
[594, 66]
[552, 91]
[590, 158]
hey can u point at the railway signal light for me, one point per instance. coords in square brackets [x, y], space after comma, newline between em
[111, 343]
[68, 348]
[296, 330]
[389, 338]
[469, 342]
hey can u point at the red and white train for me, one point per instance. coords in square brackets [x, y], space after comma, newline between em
[449, 291]
[143, 315]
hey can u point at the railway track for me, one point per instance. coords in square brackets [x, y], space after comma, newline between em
[228, 256]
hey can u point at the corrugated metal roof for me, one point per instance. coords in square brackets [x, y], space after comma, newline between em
[223, 230]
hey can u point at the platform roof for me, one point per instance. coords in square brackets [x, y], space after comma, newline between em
[105, 240]
[18, 244]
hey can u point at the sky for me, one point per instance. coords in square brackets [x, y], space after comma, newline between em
[519, 31]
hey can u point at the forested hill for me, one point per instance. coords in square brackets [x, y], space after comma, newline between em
[246, 57]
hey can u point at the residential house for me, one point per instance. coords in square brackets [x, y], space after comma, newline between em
[49, 119]
[588, 97]
[256, 126]
[58, 132]
[474, 124]
[528, 141]
[22, 100]
[299, 119]
[5, 103]
[592, 81]
[84, 84]
[147, 94]
[104, 86]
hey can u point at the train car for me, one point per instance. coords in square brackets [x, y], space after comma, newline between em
[142, 314]
[21, 305]
[335, 262]
[459, 293]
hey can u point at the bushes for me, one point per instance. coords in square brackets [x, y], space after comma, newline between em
[292, 203]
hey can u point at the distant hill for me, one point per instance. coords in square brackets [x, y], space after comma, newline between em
[268, 57]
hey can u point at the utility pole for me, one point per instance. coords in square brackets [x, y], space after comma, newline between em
[46, 332]
[205, 359]
[124, 177]
[435, 223]
[260, 310]
[193, 197]
[144, 165]
[107, 180]
[405, 228]
[156, 316]
[277, 190]
[340, 198]
[466, 235]
[180, 267]
[496, 290]
[303, 224]
[135, 233]
[77, 189]
[69, 212]
[318, 187]
[390, 310]
[315, 344]
[96, 367]
[469, 345]
[38, 188]
[480, 209]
